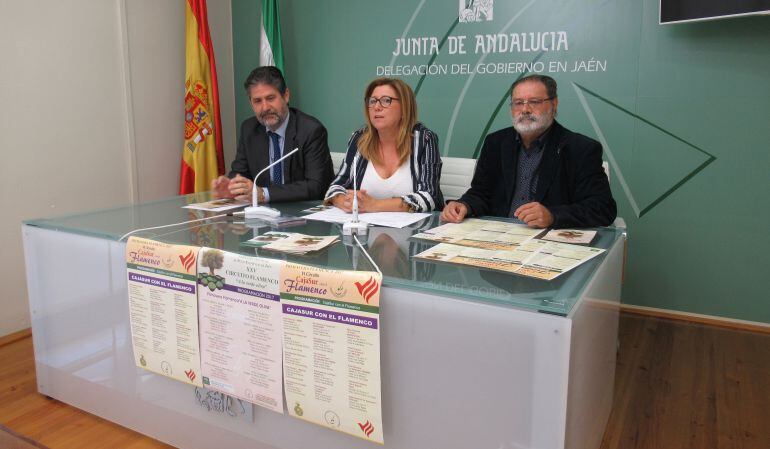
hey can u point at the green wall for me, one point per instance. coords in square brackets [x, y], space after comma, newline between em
[682, 110]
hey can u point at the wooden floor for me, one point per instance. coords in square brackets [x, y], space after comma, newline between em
[689, 386]
[678, 385]
[48, 421]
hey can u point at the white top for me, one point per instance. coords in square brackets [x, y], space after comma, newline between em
[399, 184]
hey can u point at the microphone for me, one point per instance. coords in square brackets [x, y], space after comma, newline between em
[255, 210]
[355, 227]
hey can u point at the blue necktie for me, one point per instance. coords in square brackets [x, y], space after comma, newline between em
[276, 173]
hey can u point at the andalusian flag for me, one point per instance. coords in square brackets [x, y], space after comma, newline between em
[202, 157]
[270, 48]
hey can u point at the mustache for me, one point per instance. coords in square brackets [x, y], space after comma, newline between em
[268, 113]
[527, 117]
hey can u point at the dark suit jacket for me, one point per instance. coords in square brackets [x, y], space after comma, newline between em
[571, 182]
[306, 174]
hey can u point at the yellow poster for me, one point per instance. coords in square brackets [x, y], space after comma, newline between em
[163, 308]
[331, 348]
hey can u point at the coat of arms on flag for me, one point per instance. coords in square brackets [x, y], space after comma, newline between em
[197, 120]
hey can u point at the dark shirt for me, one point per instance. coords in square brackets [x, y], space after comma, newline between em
[528, 164]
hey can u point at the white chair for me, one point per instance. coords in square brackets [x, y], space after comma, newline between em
[606, 167]
[337, 159]
[456, 176]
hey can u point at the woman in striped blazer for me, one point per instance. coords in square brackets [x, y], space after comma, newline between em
[396, 158]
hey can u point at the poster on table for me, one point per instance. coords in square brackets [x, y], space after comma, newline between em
[240, 326]
[536, 258]
[478, 233]
[163, 308]
[331, 348]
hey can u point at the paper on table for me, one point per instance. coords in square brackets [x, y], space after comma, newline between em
[536, 258]
[575, 236]
[292, 243]
[387, 219]
[555, 259]
[267, 238]
[521, 254]
[463, 255]
[219, 205]
[487, 234]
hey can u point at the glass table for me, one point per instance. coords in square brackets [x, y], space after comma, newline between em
[469, 357]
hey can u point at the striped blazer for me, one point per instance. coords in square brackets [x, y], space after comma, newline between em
[425, 164]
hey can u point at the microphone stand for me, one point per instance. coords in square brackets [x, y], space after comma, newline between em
[255, 210]
[355, 227]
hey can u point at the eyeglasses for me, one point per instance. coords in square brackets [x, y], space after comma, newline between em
[384, 101]
[535, 102]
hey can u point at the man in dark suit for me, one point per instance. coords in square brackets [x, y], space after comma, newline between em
[275, 130]
[538, 171]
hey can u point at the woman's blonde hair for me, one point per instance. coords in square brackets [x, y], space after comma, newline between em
[368, 144]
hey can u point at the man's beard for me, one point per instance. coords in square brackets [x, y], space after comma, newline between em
[531, 123]
[270, 119]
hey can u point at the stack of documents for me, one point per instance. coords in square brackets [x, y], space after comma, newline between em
[537, 258]
[387, 219]
[292, 242]
[509, 247]
[575, 236]
[485, 234]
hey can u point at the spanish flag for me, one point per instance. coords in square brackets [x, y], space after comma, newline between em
[202, 157]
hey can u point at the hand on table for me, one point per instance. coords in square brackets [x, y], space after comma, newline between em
[220, 187]
[344, 201]
[366, 202]
[534, 215]
[240, 189]
[454, 212]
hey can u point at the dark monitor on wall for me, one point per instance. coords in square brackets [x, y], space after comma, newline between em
[676, 11]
